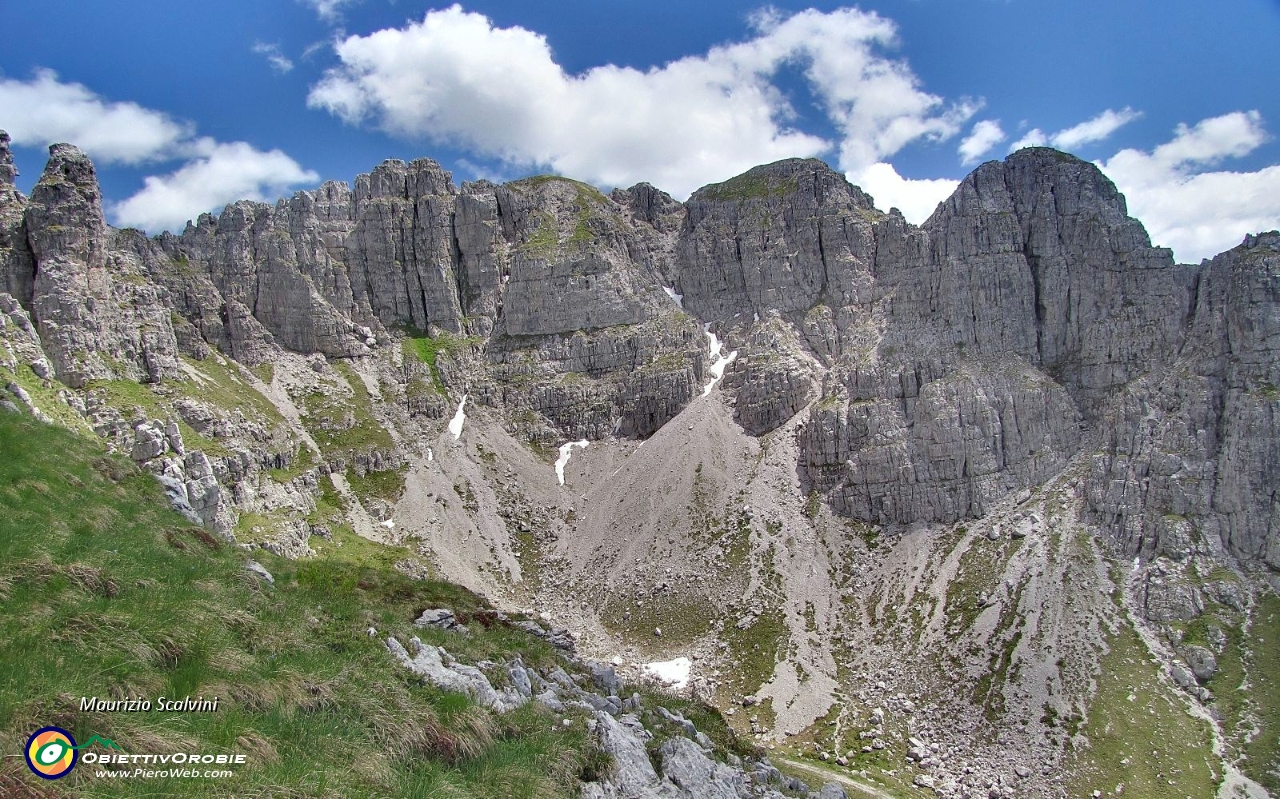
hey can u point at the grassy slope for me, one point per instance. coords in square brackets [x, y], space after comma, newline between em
[1140, 735]
[1262, 752]
[106, 592]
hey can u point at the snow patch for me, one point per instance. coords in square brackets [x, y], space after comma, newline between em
[719, 361]
[678, 299]
[672, 672]
[389, 523]
[455, 424]
[566, 451]
[430, 455]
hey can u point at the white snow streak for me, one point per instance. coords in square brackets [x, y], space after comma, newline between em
[718, 359]
[566, 451]
[677, 298]
[673, 672]
[430, 455]
[455, 424]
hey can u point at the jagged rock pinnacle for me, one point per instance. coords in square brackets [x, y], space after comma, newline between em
[7, 170]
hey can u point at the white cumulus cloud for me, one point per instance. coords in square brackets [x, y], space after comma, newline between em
[1087, 132]
[915, 198]
[980, 141]
[1188, 205]
[44, 110]
[455, 78]
[275, 57]
[221, 174]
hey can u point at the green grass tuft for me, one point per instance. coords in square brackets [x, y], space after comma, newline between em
[428, 348]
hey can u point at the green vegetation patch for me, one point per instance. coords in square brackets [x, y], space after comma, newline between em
[331, 512]
[266, 372]
[1140, 735]
[981, 569]
[342, 426]
[1245, 689]
[109, 593]
[428, 348]
[44, 394]
[227, 386]
[386, 485]
[683, 618]
[754, 652]
[138, 400]
[1262, 753]
[754, 184]
[303, 461]
[545, 241]
[259, 528]
[708, 720]
[585, 191]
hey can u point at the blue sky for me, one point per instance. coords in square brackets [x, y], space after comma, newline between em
[188, 106]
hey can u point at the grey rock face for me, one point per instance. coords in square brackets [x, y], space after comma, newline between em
[560, 280]
[429, 663]
[1037, 257]
[972, 349]
[1165, 600]
[652, 206]
[952, 376]
[633, 774]
[17, 269]
[771, 379]
[568, 268]
[7, 170]
[915, 443]
[257, 569]
[938, 369]
[1035, 261]
[1183, 677]
[558, 637]
[687, 771]
[696, 775]
[769, 239]
[438, 617]
[1191, 458]
[97, 316]
[404, 265]
[19, 341]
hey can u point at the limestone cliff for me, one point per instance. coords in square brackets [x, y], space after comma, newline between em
[938, 369]
[16, 268]
[1191, 452]
[891, 444]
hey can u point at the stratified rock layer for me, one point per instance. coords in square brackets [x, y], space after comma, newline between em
[936, 369]
[1192, 453]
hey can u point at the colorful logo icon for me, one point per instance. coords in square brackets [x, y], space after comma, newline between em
[51, 752]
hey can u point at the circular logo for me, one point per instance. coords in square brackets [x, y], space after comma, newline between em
[51, 752]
